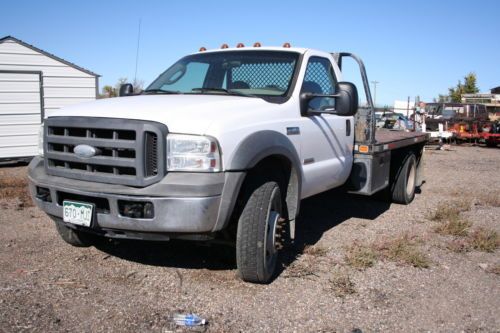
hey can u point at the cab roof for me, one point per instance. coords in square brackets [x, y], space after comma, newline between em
[299, 50]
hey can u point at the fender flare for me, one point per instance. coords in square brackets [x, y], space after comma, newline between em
[259, 145]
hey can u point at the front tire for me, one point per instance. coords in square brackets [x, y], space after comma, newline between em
[403, 188]
[257, 235]
[74, 237]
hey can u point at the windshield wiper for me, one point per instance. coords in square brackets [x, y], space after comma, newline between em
[160, 91]
[228, 92]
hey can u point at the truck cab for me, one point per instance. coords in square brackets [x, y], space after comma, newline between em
[224, 143]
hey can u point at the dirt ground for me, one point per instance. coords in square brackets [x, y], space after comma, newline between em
[358, 265]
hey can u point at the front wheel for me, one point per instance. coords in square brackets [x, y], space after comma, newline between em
[74, 237]
[258, 236]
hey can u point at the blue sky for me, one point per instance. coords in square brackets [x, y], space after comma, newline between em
[411, 47]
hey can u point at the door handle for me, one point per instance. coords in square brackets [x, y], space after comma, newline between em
[348, 127]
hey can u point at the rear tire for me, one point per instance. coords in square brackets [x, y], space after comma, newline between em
[403, 187]
[256, 237]
[74, 237]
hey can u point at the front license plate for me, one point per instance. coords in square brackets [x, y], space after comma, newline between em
[77, 213]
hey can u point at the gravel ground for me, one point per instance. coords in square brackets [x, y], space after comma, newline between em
[49, 286]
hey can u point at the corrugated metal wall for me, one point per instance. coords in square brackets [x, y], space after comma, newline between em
[20, 105]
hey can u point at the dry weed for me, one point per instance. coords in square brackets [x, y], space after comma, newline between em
[485, 240]
[300, 269]
[454, 226]
[460, 245]
[495, 269]
[12, 188]
[341, 284]
[450, 210]
[315, 251]
[360, 256]
[491, 199]
[403, 250]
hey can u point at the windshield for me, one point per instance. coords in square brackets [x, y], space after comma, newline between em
[246, 73]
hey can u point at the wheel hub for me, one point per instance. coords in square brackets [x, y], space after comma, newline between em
[410, 184]
[271, 246]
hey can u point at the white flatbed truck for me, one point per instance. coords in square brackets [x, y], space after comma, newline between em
[224, 143]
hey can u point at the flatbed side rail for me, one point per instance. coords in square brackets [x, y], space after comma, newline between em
[365, 118]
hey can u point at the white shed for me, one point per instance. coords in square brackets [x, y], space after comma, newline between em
[33, 81]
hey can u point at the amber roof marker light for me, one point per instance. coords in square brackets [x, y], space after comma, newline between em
[224, 46]
[257, 44]
[287, 45]
[202, 49]
[240, 45]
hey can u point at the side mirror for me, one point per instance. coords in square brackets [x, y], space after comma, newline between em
[126, 90]
[346, 101]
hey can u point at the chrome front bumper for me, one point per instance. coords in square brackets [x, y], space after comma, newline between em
[182, 204]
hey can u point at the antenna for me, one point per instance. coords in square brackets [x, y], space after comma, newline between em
[137, 51]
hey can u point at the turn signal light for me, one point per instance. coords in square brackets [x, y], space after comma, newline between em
[363, 149]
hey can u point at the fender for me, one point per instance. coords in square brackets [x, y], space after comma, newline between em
[262, 144]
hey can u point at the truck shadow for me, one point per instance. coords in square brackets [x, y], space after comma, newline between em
[318, 215]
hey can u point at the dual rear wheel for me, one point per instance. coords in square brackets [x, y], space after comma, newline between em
[404, 180]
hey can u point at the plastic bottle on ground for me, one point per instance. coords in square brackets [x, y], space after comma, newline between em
[188, 320]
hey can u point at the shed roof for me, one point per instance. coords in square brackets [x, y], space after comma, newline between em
[50, 55]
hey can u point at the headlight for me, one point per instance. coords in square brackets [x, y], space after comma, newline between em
[192, 153]
[40, 140]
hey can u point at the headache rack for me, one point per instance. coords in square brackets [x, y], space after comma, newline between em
[128, 152]
[373, 148]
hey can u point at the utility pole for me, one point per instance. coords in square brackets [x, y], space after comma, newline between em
[375, 93]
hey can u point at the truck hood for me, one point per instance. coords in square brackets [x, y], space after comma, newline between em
[181, 113]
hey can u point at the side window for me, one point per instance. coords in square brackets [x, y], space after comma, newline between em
[319, 79]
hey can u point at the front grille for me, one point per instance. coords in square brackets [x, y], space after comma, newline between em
[129, 152]
[151, 149]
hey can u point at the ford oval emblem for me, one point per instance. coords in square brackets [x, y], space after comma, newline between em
[85, 151]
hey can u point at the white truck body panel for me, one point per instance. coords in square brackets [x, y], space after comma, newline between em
[230, 119]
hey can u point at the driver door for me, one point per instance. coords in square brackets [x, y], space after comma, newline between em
[327, 140]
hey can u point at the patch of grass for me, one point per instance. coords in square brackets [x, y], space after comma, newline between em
[360, 256]
[341, 284]
[12, 188]
[315, 250]
[450, 210]
[454, 226]
[491, 199]
[403, 250]
[485, 240]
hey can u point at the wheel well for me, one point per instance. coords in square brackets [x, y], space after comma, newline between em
[280, 169]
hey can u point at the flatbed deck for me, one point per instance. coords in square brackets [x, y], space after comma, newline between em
[389, 139]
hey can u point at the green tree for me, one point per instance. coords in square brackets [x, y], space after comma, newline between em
[113, 91]
[468, 87]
